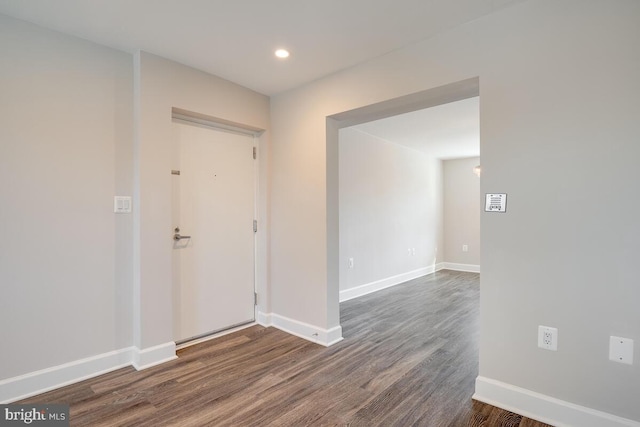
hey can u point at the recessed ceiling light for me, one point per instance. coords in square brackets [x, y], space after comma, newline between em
[282, 53]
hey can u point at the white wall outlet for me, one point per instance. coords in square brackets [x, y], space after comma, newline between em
[621, 350]
[351, 263]
[465, 248]
[413, 251]
[548, 338]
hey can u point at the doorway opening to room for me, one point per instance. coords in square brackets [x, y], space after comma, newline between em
[355, 228]
[409, 199]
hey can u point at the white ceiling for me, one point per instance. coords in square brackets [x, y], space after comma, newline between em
[235, 39]
[448, 131]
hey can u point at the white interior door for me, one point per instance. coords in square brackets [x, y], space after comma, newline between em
[213, 198]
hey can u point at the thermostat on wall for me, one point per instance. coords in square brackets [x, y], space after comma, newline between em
[495, 202]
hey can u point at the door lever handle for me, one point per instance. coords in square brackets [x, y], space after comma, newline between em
[177, 237]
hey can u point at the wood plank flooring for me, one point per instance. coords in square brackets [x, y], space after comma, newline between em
[409, 358]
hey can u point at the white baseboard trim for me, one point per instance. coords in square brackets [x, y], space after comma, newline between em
[263, 319]
[544, 408]
[152, 356]
[325, 337]
[44, 380]
[38, 382]
[369, 288]
[469, 268]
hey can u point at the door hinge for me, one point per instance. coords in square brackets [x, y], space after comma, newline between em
[255, 153]
[255, 225]
[255, 298]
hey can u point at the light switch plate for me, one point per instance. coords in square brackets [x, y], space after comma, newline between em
[122, 204]
[621, 350]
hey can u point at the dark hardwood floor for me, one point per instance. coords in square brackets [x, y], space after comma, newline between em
[409, 358]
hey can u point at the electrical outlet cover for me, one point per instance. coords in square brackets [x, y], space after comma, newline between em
[621, 350]
[548, 338]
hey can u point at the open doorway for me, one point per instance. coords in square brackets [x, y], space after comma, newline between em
[452, 92]
[408, 197]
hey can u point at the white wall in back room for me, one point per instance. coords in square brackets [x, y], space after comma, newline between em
[390, 213]
[461, 214]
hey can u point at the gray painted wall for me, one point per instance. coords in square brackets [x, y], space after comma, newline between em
[66, 150]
